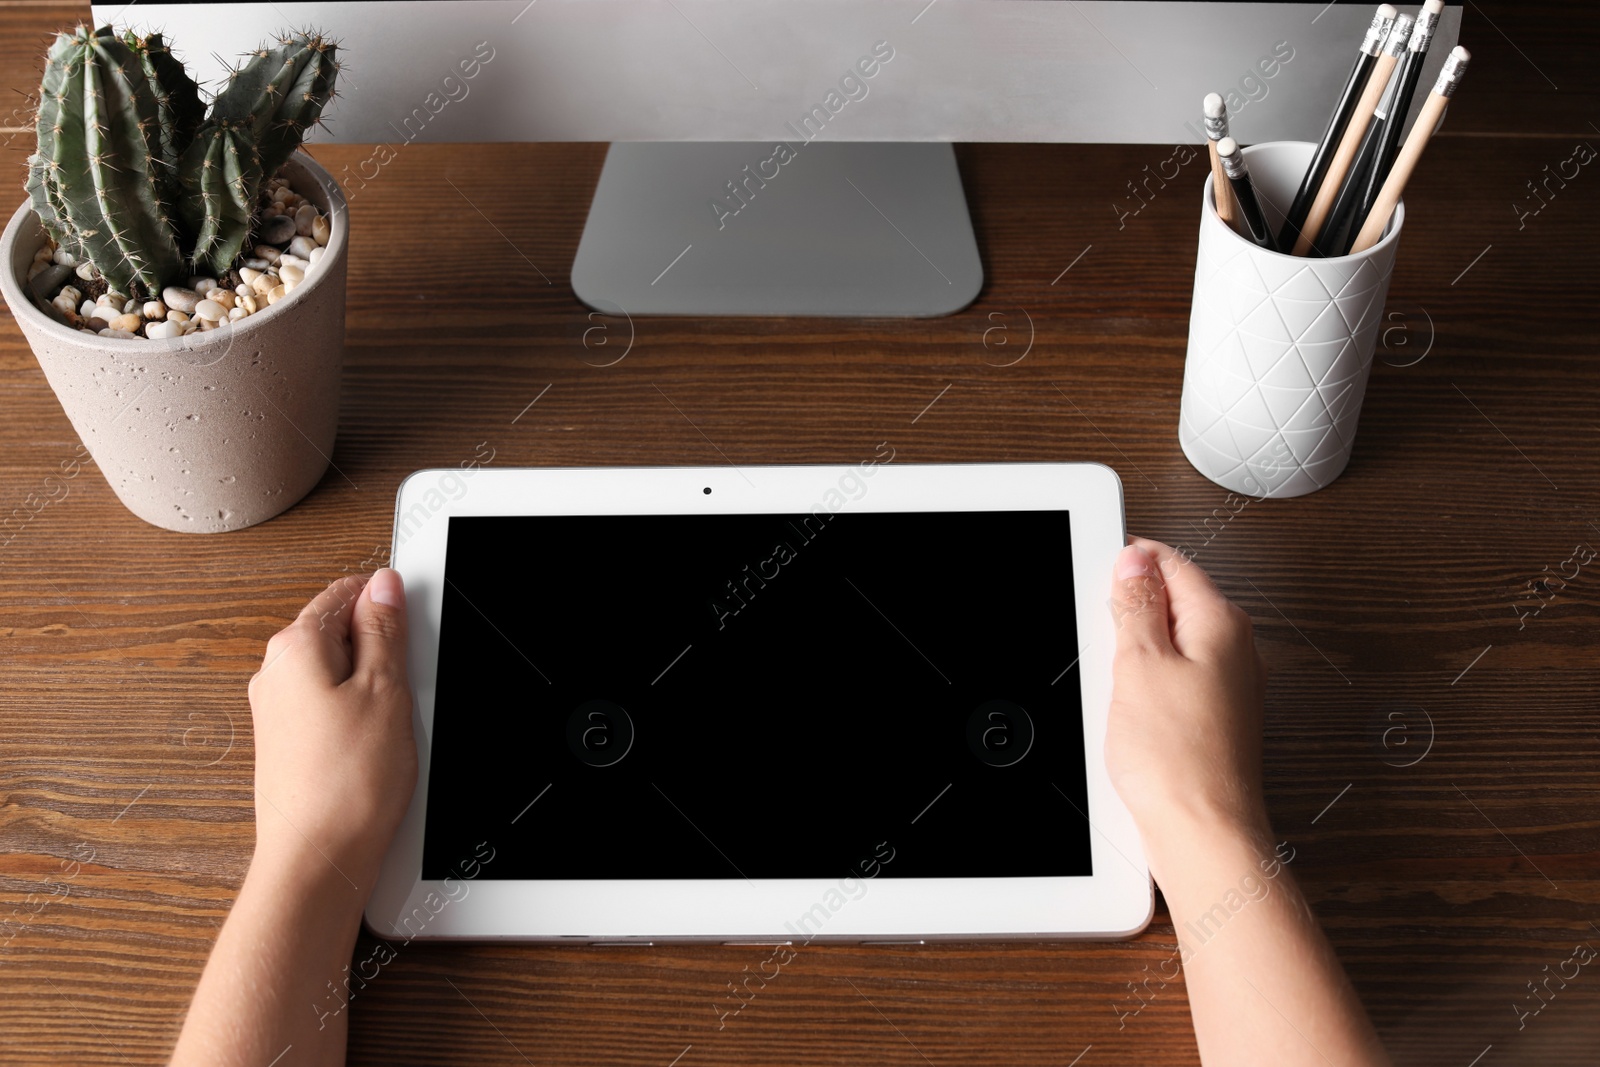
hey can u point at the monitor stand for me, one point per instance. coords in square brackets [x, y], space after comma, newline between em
[795, 228]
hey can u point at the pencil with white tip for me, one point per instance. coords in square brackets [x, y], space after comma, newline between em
[1428, 120]
[1366, 57]
[1362, 182]
[1353, 133]
[1239, 178]
[1216, 113]
[1409, 73]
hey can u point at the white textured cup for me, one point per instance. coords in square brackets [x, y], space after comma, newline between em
[1279, 346]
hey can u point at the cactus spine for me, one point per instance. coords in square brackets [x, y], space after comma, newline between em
[131, 173]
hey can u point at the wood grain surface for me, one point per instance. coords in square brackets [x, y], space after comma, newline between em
[1432, 755]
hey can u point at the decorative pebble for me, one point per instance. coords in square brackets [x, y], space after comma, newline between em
[50, 277]
[293, 238]
[179, 299]
[277, 230]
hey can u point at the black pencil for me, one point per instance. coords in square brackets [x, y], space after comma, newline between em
[1329, 241]
[1394, 122]
[1366, 58]
[1244, 191]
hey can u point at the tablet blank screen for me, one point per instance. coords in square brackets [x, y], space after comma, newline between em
[759, 696]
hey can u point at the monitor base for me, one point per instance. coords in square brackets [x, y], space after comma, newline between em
[794, 228]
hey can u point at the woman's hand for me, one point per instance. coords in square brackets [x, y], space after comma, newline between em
[335, 758]
[1183, 744]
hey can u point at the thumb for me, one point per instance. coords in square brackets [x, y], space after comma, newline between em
[1139, 603]
[378, 628]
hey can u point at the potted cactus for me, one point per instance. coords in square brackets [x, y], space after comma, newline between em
[179, 271]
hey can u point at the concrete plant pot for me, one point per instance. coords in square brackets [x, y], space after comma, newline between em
[216, 430]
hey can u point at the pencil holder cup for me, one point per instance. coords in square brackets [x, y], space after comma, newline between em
[1279, 346]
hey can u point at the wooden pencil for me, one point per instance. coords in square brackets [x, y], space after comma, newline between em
[1366, 56]
[1409, 73]
[1216, 115]
[1353, 133]
[1428, 119]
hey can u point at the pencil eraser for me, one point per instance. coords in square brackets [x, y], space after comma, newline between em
[1227, 146]
[1213, 106]
[1454, 67]
[1388, 11]
[1433, 7]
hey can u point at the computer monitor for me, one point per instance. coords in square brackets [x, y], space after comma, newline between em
[794, 157]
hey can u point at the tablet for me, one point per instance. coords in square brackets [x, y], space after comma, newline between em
[762, 704]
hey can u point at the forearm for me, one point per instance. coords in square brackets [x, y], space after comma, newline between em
[1264, 984]
[266, 991]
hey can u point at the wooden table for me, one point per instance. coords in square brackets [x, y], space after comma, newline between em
[1449, 870]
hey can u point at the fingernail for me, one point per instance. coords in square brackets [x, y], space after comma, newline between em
[1133, 563]
[387, 589]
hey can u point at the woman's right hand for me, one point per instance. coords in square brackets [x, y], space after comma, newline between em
[1183, 744]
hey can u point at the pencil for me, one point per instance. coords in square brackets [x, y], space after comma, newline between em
[1409, 74]
[1366, 57]
[1428, 119]
[1355, 179]
[1340, 164]
[1249, 207]
[1216, 113]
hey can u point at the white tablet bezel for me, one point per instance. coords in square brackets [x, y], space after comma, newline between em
[1116, 901]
